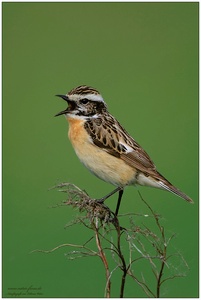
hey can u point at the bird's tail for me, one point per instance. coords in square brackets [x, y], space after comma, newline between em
[166, 185]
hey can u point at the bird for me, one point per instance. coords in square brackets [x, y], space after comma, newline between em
[106, 148]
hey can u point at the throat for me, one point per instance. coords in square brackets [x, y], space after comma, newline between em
[74, 122]
[76, 130]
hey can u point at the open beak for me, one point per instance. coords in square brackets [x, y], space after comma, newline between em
[64, 97]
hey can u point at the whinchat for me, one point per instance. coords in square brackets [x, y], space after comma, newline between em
[106, 148]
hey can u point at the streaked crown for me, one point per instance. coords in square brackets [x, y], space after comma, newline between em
[83, 90]
[83, 101]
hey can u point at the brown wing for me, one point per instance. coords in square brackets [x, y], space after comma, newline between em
[108, 134]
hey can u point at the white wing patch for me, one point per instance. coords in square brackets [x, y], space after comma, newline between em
[128, 148]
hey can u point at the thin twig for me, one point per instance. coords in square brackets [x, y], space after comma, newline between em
[143, 243]
[104, 260]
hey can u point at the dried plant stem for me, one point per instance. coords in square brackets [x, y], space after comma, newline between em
[121, 256]
[144, 244]
[163, 260]
[162, 251]
[104, 260]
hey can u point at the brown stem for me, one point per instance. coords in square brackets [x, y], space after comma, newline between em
[123, 266]
[163, 262]
[105, 263]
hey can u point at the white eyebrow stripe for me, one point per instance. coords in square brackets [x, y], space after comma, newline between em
[92, 97]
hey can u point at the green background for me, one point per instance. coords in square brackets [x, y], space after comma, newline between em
[143, 57]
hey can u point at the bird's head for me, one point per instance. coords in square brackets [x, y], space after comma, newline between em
[83, 102]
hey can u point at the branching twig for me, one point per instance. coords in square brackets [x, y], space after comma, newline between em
[143, 243]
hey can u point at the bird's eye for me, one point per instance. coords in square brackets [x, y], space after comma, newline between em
[84, 101]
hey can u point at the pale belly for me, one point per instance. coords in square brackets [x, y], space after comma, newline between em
[107, 167]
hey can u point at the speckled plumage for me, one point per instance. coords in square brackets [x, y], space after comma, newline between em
[105, 147]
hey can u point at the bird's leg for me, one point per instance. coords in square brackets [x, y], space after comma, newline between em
[118, 189]
[119, 201]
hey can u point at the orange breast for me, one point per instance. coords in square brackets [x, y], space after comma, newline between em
[77, 134]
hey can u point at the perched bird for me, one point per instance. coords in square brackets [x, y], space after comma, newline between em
[106, 148]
